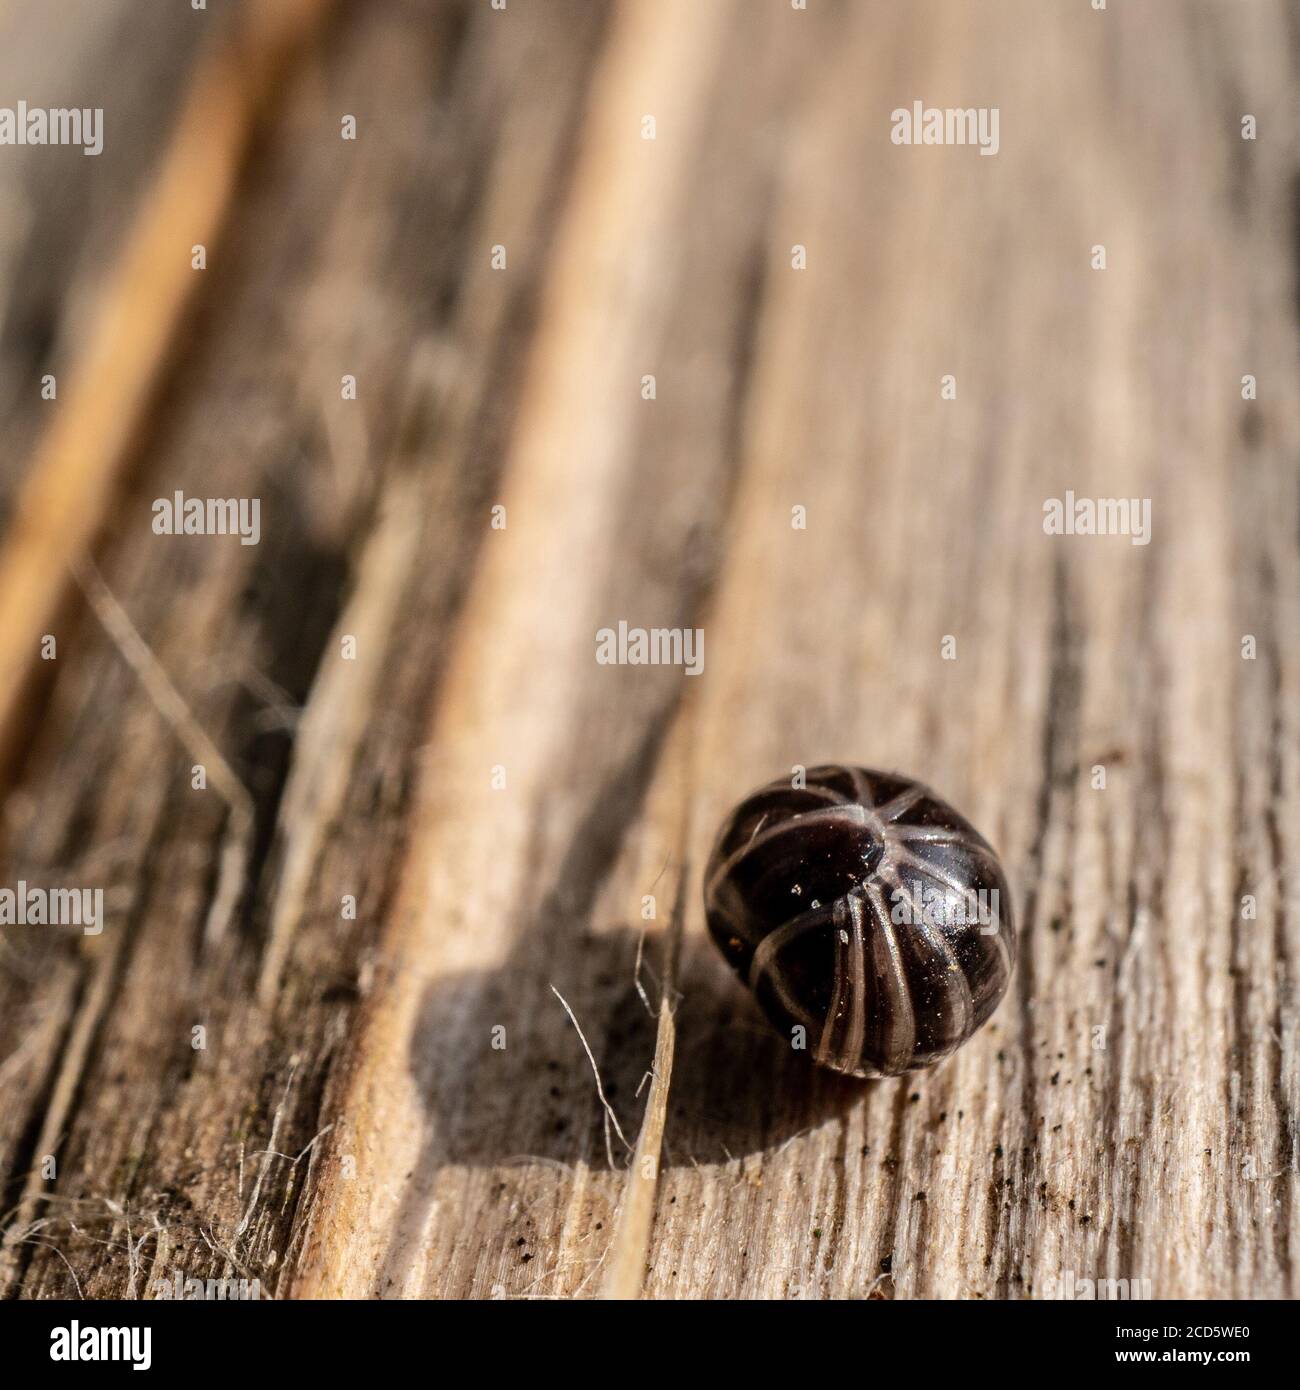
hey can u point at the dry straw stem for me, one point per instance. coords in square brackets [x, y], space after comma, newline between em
[72, 479]
[167, 699]
[611, 1116]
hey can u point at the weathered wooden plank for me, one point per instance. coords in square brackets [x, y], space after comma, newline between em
[157, 1140]
[351, 1128]
[926, 520]
[470, 1161]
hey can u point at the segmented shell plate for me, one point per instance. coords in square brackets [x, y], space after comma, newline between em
[865, 911]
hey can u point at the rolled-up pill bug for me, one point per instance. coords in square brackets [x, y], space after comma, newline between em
[871, 920]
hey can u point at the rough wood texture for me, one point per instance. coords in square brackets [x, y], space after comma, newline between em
[350, 1129]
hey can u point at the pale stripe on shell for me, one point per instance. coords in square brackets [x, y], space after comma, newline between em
[843, 944]
[900, 1018]
[939, 875]
[954, 977]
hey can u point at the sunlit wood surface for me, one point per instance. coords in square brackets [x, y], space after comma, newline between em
[348, 1126]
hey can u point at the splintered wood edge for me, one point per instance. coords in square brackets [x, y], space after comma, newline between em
[626, 1255]
[348, 1219]
[625, 1259]
[335, 718]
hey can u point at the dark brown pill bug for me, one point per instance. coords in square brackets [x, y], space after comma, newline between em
[871, 921]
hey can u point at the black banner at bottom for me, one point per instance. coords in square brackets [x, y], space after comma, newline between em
[229, 1338]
